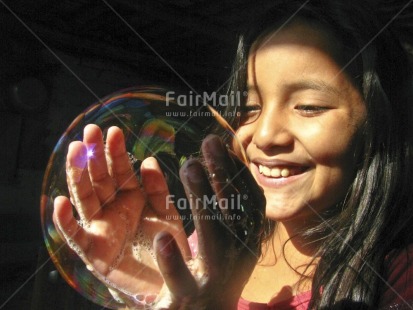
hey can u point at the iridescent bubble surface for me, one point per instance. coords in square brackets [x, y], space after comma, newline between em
[152, 127]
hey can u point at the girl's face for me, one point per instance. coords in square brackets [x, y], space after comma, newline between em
[301, 124]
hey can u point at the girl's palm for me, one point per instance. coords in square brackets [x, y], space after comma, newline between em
[118, 217]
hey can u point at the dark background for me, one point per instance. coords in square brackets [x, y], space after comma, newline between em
[59, 57]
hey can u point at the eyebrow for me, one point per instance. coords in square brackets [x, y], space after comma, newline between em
[317, 85]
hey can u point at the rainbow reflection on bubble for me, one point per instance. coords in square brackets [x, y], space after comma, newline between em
[150, 130]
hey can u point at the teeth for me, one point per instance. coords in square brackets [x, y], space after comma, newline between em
[266, 171]
[274, 172]
[285, 173]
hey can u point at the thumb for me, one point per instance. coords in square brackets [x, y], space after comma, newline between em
[175, 272]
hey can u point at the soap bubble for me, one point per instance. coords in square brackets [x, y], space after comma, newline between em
[152, 127]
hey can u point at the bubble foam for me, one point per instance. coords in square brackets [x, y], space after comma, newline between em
[144, 115]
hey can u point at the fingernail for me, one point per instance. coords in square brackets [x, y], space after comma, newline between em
[165, 244]
[193, 171]
[214, 146]
[150, 298]
[140, 297]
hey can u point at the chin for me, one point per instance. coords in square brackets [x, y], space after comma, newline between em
[280, 214]
[290, 210]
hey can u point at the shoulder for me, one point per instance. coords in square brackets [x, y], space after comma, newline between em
[398, 285]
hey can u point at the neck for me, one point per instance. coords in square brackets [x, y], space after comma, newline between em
[289, 245]
[285, 268]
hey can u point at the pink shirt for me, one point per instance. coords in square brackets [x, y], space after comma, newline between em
[397, 296]
[298, 302]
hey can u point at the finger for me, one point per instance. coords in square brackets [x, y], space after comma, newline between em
[98, 169]
[209, 224]
[157, 192]
[219, 165]
[67, 224]
[170, 166]
[119, 160]
[155, 187]
[223, 173]
[252, 201]
[86, 202]
[176, 274]
[238, 194]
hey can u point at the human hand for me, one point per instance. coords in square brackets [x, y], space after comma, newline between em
[229, 234]
[117, 216]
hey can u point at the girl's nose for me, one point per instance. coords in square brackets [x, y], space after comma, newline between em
[272, 131]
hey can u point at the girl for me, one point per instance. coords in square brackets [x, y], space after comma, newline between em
[327, 133]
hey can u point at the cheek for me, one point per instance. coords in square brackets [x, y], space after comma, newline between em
[330, 143]
[332, 152]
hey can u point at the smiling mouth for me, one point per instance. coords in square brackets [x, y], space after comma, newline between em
[281, 171]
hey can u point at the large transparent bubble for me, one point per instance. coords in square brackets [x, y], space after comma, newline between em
[152, 127]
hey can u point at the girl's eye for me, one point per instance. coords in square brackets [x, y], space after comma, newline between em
[249, 114]
[311, 110]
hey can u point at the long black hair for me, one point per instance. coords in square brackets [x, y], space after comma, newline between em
[375, 220]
